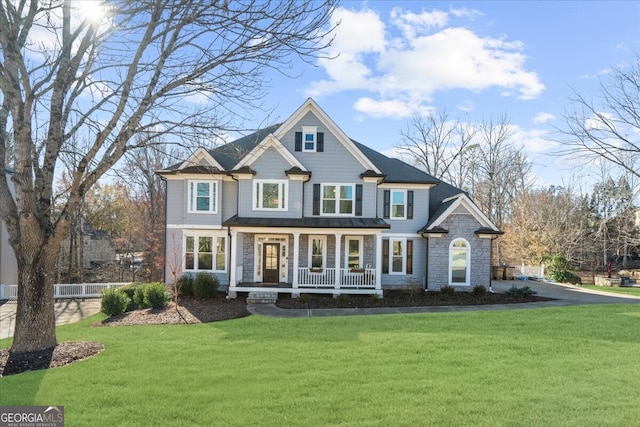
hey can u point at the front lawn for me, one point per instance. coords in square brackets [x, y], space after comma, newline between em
[555, 366]
[615, 289]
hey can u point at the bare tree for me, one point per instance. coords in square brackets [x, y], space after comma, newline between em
[151, 70]
[440, 146]
[607, 127]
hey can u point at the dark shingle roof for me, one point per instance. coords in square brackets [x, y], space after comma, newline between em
[228, 155]
[308, 222]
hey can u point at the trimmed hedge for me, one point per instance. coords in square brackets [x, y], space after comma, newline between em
[205, 285]
[114, 302]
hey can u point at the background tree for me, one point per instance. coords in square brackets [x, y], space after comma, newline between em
[607, 127]
[148, 71]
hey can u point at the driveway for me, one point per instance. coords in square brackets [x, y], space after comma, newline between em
[570, 294]
[67, 311]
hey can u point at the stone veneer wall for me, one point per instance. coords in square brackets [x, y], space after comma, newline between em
[459, 226]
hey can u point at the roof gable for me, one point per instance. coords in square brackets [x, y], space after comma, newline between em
[455, 204]
[311, 106]
[201, 157]
[269, 142]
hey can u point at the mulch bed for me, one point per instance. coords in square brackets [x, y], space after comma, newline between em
[403, 298]
[191, 310]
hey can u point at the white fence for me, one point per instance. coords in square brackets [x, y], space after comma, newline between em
[536, 271]
[77, 290]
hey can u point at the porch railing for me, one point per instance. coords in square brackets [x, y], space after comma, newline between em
[326, 278]
[80, 290]
[321, 278]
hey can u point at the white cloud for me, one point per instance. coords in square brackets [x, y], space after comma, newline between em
[543, 118]
[534, 141]
[403, 66]
[390, 108]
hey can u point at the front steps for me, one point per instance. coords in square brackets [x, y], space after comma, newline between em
[262, 298]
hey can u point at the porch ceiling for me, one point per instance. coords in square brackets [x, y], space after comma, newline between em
[313, 222]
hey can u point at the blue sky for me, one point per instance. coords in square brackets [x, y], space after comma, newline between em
[478, 60]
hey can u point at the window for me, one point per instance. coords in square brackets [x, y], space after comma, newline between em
[397, 256]
[317, 251]
[337, 199]
[270, 195]
[353, 252]
[202, 196]
[309, 138]
[398, 199]
[205, 253]
[459, 256]
[398, 204]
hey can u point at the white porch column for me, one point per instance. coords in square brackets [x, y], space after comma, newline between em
[296, 256]
[233, 255]
[379, 262]
[338, 244]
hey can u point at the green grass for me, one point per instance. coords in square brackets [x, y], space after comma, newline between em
[573, 366]
[614, 289]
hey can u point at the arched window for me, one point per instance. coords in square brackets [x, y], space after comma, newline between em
[459, 263]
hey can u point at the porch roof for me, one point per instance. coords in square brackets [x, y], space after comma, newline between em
[313, 222]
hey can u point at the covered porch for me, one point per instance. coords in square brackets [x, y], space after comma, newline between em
[328, 260]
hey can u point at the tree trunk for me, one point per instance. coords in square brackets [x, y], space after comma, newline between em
[35, 315]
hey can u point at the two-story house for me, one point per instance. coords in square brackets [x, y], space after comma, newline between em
[300, 207]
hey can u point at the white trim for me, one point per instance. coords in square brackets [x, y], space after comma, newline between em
[213, 198]
[322, 238]
[467, 261]
[291, 230]
[198, 155]
[214, 244]
[311, 106]
[270, 141]
[464, 201]
[194, 227]
[283, 187]
[360, 240]
[408, 186]
[404, 256]
[404, 204]
[283, 259]
[309, 130]
[337, 199]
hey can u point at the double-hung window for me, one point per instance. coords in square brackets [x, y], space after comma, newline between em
[205, 253]
[397, 256]
[270, 195]
[202, 197]
[317, 251]
[398, 204]
[337, 199]
[309, 138]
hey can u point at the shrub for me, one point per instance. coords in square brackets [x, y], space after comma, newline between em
[184, 285]
[574, 279]
[156, 295]
[129, 290]
[525, 291]
[304, 299]
[114, 302]
[138, 295]
[205, 285]
[447, 291]
[343, 299]
[479, 291]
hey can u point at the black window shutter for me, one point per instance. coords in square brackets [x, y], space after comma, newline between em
[410, 204]
[298, 146]
[385, 256]
[409, 268]
[387, 204]
[320, 142]
[358, 199]
[316, 199]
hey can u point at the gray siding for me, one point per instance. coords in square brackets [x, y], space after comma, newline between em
[177, 195]
[420, 212]
[418, 275]
[229, 199]
[459, 226]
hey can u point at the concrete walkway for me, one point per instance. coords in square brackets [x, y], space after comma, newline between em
[564, 295]
[67, 311]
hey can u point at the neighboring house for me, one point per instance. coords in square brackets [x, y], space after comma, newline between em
[303, 207]
[8, 264]
[92, 247]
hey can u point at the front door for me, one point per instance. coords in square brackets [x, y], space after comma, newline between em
[271, 262]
